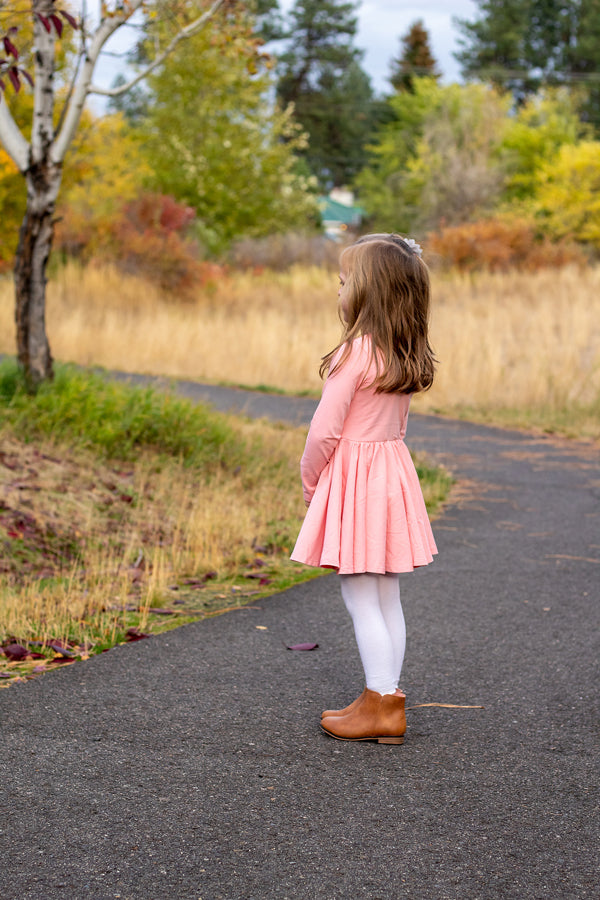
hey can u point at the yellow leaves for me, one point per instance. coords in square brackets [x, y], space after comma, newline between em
[104, 170]
[12, 204]
[567, 199]
[7, 166]
[104, 165]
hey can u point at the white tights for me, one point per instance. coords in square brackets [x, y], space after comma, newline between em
[373, 602]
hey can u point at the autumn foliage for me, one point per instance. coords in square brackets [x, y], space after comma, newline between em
[497, 245]
[148, 236]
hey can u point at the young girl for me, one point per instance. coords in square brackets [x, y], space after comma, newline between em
[366, 515]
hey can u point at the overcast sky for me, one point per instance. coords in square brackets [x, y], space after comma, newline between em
[381, 24]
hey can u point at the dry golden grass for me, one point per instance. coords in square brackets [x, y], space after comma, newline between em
[85, 539]
[518, 348]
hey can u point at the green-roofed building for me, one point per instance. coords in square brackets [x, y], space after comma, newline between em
[339, 213]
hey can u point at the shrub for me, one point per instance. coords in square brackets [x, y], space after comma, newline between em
[497, 244]
[148, 237]
[117, 420]
[567, 198]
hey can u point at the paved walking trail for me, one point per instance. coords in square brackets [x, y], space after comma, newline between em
[191, 765]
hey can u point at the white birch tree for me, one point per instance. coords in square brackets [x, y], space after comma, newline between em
[40, 159]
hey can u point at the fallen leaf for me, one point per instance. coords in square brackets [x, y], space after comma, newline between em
[8, 461]
[16, 651]
[134, 634]
[261, 627]
[302, 646]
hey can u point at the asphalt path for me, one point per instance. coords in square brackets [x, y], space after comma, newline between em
[191, 765]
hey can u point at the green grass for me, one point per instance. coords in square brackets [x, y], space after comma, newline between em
[116, 420]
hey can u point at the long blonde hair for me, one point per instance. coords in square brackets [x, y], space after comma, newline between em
[389, 299]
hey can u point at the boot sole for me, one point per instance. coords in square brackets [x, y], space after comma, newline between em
[385, 739]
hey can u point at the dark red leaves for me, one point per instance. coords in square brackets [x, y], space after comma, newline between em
[134, 634]
[9, 47]
[57, 24]
[262, 579]
[9, 461]
[45, 22]
[27, 76]
[197, 583]
[13, 74]
[69, 18]
[16, 652]
[302, 646]
[53, 19]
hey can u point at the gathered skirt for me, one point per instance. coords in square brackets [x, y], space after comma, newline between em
[367, 513]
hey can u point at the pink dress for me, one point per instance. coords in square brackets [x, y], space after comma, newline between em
[367, 512]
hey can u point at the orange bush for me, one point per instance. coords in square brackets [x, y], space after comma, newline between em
[147, 237]
[498, 245]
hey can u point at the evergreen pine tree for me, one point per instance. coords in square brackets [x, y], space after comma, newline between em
[584, 60]
[320, 73]
[416, 59]
[522, 45]
[494, 44]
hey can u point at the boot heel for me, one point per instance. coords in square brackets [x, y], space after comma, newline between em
[390, 740]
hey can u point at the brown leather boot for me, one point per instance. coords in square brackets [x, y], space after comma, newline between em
[378, 718]
[347, 709]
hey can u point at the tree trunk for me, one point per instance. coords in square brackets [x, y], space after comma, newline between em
[35, 242]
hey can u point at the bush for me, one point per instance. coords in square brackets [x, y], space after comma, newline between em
[148, 237]
[116, 420]
[497, 245]
[567, 198]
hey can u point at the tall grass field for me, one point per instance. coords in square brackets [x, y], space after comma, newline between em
[519, 349]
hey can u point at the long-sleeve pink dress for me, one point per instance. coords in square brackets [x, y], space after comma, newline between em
[366, 512]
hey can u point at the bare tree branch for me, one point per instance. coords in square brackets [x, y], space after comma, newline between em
[11, 138]
[73, 83]
[99, 37]
[186, 32]
[84, 86]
